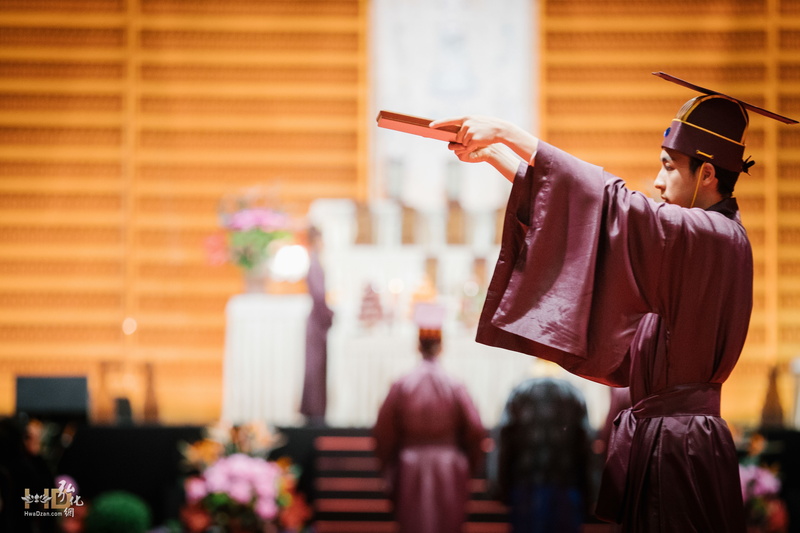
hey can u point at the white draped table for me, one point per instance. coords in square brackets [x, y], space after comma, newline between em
[363, 368]
[264, 358]
[363, 365]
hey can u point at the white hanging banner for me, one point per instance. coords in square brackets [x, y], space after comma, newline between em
[445, 58]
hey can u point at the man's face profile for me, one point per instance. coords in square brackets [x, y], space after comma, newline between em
[675, 181]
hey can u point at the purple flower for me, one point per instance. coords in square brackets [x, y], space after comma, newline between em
[264, 219]
[240, 491]
[239, 466]
[758, 482]
[265, 481]
[266, 509]
[217, 478]
[249, 481]
[195, 488]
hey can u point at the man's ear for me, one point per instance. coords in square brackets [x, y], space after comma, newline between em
[708, 174]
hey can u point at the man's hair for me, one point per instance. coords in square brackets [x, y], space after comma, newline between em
[726, 179]
[429, 347]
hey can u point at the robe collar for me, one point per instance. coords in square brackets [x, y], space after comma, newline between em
[727, 206]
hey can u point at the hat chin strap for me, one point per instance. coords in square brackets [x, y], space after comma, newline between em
[697, 186]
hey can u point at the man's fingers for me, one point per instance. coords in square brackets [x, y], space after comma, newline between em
[467, 153]
[447, 122]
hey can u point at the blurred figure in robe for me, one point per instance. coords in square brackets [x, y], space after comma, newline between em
[541, 465]
[315, 384]
[428, 439]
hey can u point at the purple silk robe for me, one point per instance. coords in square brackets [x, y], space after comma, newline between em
[428, 439]
[315, 388]
[625, 291]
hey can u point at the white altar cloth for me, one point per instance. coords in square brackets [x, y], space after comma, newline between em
[264, 358]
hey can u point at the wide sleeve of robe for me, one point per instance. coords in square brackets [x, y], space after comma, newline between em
[387, 428]
[582, 260]
[471, 432]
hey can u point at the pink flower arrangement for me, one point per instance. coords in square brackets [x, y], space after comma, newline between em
[235, 487]
[251, 231]
[762, 503]
[257, 218]
[758, 482]
[238, 484]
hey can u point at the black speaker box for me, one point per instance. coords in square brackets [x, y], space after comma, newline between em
[53, 397]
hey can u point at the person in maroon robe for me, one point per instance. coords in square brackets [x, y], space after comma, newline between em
[428, 437]
[627, 291]
[315, 383]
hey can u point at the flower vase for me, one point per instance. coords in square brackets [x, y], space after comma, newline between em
[256, 280]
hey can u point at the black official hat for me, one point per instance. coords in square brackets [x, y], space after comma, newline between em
[712, 127]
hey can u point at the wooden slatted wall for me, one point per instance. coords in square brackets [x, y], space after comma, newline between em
[600, 102]
[122, 122]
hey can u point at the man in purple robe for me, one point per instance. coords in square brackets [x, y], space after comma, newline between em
[428, 438]
[630, 292]
[315, 387]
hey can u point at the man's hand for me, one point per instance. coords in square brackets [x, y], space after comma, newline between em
[475, 131]
[472, 155]
[498, 142]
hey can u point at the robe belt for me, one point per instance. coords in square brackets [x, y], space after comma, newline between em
[688, 399]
